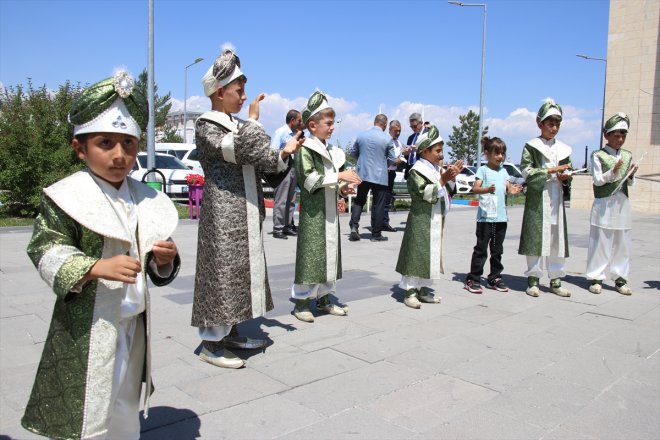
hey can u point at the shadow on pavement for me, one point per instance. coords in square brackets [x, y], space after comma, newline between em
[161, 416]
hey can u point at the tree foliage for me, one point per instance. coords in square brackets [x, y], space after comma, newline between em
[35, 141]
[463, 140]
[35, 144]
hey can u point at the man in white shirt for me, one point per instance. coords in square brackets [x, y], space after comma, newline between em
[395, 132]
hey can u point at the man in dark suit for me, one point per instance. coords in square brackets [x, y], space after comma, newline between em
[410, 152]
[374, 153]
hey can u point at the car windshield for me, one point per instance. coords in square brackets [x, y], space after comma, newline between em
[180, 153]
[512, 171]
[468, 171]
[163, 161]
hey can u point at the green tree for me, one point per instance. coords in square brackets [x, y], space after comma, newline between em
[463, 140]
[35, 144]
[162, 107]
[170, 135]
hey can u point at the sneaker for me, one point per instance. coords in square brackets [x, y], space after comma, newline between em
[388, 228]
[411, 299]
[290, 232]
[596, 287]
[220, 357]
[280, 235]
[497, 284]
[379, 237]
[532, 291]
[332, 309]
[355, 236]
[532, 287]
[621, 286]
[243, 342]
[302, 312]
[472, 287]
[427, 297]
[555, 287]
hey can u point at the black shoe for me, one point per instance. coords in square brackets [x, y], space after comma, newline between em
[279, 234]
[294, 228]
[378, 238]
[388, 228]
[290, 232]
[354, 235]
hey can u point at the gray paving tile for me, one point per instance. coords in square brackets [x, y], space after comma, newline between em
[309, 367]
[351, 424]
[428, 403]
[631, 339]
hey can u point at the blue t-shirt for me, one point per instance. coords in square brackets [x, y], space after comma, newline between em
[496, 202]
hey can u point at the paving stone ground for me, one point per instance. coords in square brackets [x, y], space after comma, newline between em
[490, 366]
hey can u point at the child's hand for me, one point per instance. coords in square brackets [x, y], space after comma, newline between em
[617, 166]
[559, 169]
[163, 251]
[635, 168]
[118, 268]
[515, 189]
[349, 176]
[348, 190]
[253, 110]
[491, 189]
[293, 144]
[563, 177]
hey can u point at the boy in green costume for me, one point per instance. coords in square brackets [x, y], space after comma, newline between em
[544, 238]
[420, 257]
[96, 235]
[322, 174]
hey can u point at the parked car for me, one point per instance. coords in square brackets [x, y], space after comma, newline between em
[175, 149]
[465, 180]
[173, 169]
[191, 160]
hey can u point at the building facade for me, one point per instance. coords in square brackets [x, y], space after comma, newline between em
[633, 87]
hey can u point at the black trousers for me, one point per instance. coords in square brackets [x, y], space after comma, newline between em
[391, 175]
[489, 236]
[379, 194]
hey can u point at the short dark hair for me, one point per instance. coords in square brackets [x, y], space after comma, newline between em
[291, 115]
[325, 113]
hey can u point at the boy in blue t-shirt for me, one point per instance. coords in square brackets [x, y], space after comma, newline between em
[492, 185]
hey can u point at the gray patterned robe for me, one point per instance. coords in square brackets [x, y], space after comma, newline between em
[231, 283]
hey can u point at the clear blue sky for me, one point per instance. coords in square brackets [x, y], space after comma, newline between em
[399, 56]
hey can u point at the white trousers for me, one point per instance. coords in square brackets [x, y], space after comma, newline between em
[553, 263]
[608, 247]
[303, 291]
[408, 283]
[124, 423]
[214, 334]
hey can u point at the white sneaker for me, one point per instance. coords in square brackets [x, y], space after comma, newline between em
[332, 309]
[302, 312]
[222, 358]
[560, 291]
[412, 302]
[596, 288]
[624, 290]
[532, 291]
[428, 298]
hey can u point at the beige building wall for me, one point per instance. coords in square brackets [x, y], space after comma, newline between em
[633, 87]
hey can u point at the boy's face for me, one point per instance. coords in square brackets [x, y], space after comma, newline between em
[233, 96]
[323, 128]
[434, 154]
[110, 156]
[549, 127]
[616, 138]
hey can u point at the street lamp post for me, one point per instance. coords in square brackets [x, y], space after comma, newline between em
[185, 99]
[602, 118]
[483, 65]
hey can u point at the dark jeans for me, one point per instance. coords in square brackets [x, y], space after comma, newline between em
[391, 175]
[379, 193]
[489, 235]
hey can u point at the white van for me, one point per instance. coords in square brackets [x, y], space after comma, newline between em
[187, 153]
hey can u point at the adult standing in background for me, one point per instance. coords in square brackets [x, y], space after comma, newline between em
[285, 193]
[374, 153]
[395, 132]
[417, 125]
